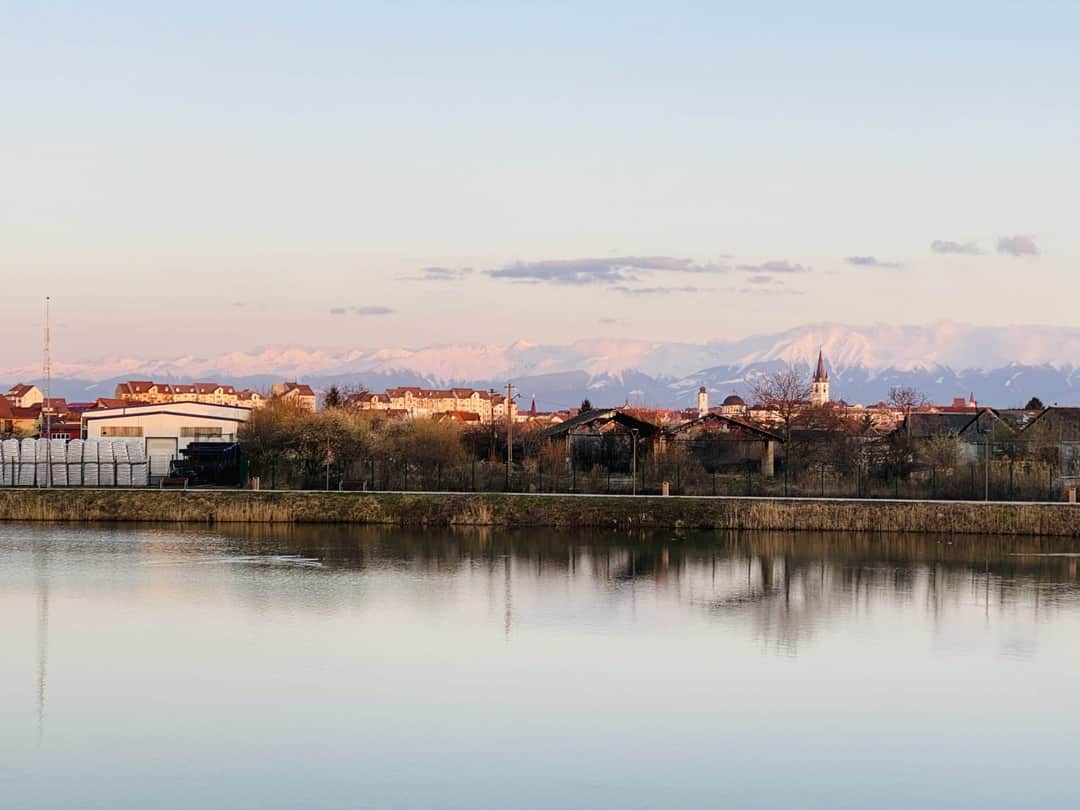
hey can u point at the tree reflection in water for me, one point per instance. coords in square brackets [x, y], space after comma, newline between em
[787, 586]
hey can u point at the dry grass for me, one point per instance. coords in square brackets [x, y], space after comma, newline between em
[525, 510]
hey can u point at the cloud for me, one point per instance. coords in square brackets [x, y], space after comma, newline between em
[608, 321]
[652, 290]
[362, 311]
[874, 262]
[782, 266]
[768, 291]
[958, 248]
[759, 279]
[1017, 246]
[617, 270]
[439, 274]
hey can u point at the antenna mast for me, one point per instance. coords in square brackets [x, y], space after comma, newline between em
[46, 373]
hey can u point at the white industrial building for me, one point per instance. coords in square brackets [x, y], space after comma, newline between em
[166, 428]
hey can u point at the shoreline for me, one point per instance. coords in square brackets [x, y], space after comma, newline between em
[444, 509]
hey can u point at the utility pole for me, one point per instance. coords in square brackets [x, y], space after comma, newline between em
[509, 433]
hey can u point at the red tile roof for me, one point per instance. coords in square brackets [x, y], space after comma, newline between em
[19, 390]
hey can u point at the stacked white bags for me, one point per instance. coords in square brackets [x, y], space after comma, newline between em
[74, 463]
[123, 464]
[91, 474]
[58, 459]
[139, 469]
[106, 464]
[27, 463]
[9, 462]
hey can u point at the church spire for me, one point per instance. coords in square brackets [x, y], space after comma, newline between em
[821, 375]
[819, 388]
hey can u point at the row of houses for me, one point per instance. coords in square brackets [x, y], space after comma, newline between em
[154, 393]
[460, 404]
[1052, 433]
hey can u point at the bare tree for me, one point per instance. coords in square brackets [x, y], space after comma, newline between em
[907, 399]
[785, 393]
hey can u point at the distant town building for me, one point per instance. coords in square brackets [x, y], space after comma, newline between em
[24, 395]
[426, 403]
[296, 393]
[734, 405]
[154, 393]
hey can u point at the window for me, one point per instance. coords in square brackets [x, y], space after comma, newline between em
[202, 431]
[120, 432]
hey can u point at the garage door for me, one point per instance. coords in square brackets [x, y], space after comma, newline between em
[160, 452]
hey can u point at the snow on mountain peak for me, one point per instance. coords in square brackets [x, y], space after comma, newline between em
[874, 348]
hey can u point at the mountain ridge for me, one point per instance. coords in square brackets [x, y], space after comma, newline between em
[864, 362]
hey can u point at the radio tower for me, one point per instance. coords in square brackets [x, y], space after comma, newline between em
[46, 410]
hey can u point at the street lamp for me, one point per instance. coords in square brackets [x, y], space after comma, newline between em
[634, 433]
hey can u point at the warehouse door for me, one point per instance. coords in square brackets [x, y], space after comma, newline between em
[160, 452]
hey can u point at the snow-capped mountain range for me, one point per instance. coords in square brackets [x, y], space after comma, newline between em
[1001, 364]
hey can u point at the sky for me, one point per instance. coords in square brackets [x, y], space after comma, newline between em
[213, 177]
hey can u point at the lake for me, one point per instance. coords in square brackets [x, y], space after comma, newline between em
[347, 667]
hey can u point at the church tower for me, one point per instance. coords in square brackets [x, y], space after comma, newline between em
[819, 388]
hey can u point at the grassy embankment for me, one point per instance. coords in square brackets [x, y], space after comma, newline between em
[449, 509]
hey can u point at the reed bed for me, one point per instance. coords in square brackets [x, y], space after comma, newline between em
[451, 509]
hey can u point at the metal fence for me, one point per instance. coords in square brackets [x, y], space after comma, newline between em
[683, 473]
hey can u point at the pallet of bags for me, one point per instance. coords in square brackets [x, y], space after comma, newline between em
[74, 463]
[91, 477]
[123, 464]
[8, 472]
[41, 450]
[58, 460]
[27, 463]
[106, 464]
[137, 457]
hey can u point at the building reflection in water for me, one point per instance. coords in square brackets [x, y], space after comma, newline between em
[786, 586]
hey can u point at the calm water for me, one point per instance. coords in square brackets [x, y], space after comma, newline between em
[353, 668]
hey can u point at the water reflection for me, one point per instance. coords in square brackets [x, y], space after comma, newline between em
[331, 666]
[786, 586]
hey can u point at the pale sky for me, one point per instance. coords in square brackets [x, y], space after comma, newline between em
[213, 177]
